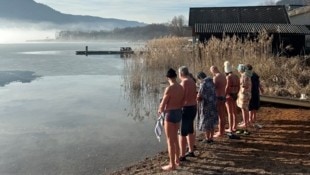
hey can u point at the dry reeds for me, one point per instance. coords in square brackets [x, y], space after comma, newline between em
[144, 75]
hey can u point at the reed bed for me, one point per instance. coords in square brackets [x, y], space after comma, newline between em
[144, 75]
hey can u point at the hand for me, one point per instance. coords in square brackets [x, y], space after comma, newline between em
[159, 111]
[199, 98]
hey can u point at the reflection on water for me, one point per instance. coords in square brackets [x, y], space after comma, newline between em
[50, 52]
[7, 77]
[70, 125]
[143, 88]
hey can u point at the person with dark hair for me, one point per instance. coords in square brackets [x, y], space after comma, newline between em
[207, 106]
[255, 93]
[231, 90]
[189, 109]
[219, 80]
[171, 105]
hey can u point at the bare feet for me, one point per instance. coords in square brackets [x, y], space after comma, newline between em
[177, 162]
[168, 168]
[242, 125]
[228, 130]
[218, 134]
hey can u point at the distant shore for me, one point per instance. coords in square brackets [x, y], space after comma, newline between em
[280, 147]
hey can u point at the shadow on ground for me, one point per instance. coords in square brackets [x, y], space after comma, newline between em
[282, 146]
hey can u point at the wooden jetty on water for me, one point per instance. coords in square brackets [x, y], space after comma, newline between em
[122, 51]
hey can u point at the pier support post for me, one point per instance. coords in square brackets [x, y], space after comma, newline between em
[86, 50]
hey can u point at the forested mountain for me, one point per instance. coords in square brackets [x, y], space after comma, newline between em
[293, 2]
[31, 11]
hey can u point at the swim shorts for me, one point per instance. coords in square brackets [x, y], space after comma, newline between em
[173, 116]
[188, 117]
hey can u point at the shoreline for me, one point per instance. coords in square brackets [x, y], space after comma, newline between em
[280, 147]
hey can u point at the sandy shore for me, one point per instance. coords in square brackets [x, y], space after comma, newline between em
[282, 146]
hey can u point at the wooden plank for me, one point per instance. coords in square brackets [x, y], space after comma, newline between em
[286, 101]
[102, 52]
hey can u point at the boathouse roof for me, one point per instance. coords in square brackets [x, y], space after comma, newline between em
[245, 14]
[250, 28]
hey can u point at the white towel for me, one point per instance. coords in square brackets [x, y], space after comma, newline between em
[159, 126]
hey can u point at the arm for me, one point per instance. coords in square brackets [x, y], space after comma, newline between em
[185, 91]
[228, 84]
[164, 101]
[261, 89]
[199, 94]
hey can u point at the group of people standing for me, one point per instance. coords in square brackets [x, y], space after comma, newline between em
[181, 102]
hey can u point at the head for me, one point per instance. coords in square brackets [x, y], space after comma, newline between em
[243, 69]
[227, 67]
[183, 71]
[171, 74]
[214, 70]
[201, 76]
[249, 66]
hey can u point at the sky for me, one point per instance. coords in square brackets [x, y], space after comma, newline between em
[147, 11]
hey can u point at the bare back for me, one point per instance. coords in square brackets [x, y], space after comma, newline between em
[190, 92]
[220, 84]
[173, 97]
[233, 84]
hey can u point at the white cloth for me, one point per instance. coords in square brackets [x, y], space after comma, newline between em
[159, 126]
[227, 67]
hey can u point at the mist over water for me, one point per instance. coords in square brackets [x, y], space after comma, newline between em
[18, 35]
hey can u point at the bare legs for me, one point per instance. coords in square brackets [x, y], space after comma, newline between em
[245, 116]
[232, 113]
[252, 116]
[184, 140]
[171, 130]
[221, 111]
[209, 135]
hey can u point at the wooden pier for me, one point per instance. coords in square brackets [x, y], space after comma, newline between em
[122, 51]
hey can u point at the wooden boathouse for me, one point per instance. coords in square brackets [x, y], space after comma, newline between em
[249, 21]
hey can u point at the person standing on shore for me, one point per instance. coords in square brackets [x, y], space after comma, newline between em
[207, 106]
[187, 137]
[171, 105]
[244, 95]
[219, 80]
[231, 90]
[255, 93]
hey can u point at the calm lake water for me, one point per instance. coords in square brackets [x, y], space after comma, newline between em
[66, 114]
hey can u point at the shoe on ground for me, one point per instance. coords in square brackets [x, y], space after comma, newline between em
[208, 141]
[239, 131]
[190, 154]
[256, 125]
[182, 159]
[245, 132]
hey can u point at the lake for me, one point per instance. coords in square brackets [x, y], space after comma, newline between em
[61, 113]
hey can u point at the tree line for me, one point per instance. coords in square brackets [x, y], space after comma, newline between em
[175, 28]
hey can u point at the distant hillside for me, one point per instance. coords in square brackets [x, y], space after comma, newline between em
[31, 11]
[293, 2]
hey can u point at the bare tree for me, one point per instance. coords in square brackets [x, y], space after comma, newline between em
[177, 24]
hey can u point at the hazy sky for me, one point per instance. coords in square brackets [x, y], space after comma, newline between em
[148, 11]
